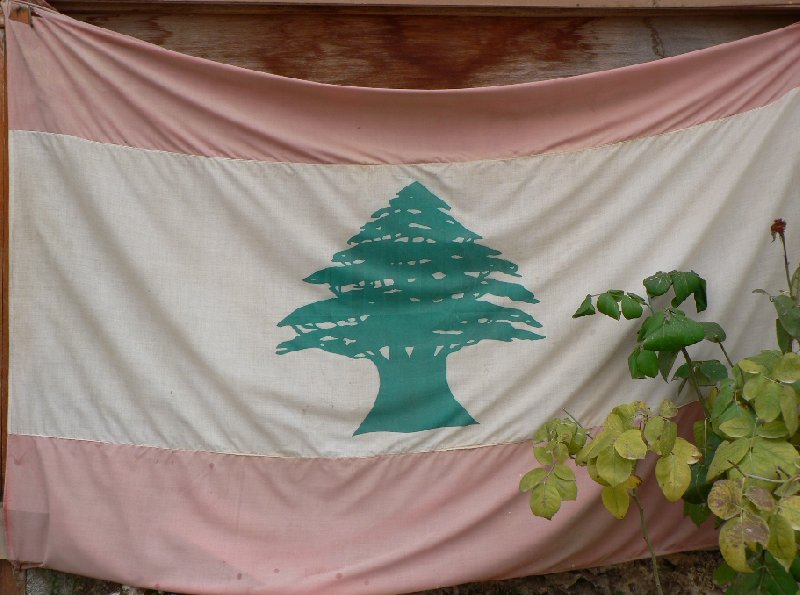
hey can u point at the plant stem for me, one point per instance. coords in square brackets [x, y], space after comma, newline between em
[786, 266]
[693, 382]
[728, 359]
[646, 538]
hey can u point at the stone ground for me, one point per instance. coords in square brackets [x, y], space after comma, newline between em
[686, 574]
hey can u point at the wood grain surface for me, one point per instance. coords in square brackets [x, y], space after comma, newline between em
[430, 51]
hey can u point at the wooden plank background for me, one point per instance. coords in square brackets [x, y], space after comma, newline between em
[419, 45]
[424, 48]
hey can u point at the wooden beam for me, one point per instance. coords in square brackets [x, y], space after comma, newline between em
[539, 4]
[4, 174]
[12, 582]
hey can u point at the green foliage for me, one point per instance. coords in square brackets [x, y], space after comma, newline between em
[743, 467]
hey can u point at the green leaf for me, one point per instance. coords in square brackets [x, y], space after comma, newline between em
[714, 370]
[676, 332]
[647, 363]
[784, 338]
[531, 479]
[781, 541]
[788, 368]
[606, 304]
[738, 427]
[674, 477]
[616, 500]
[613, 468]
[637, 298]
[788, 314]
[657, 284]
[629, 445]
[666, 359]
[545, 500]
[727, 455]
[739, 532]
[651, 322]
[725, 498]
[724, 574]
[686, 284]
[713, 332]
[585, 309]
[633, 366]
[699, 513]
[776, 578]
[631, 308]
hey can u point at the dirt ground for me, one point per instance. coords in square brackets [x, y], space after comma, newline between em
[687, 574]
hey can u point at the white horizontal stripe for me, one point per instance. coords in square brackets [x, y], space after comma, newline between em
[146, 287]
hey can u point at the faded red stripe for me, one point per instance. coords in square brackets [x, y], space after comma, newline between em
[72, 78]
[201, 522]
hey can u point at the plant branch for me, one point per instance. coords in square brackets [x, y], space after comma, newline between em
[693, 382]
[786, 265]
[751, 476]
[646, 538]
[725, 353]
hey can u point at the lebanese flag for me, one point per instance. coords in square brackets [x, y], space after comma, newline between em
[275, 336]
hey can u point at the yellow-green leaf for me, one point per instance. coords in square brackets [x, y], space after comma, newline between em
[545, 500]
[591, 469]
[750, 367]
[755, 386]
[789, 508]
[768, 401]
[789, 409]
[760, 497]
[739, 532]
[725, 498]
[543, 455]
[738, 427]
[660, 434]
[781, 543]
[667, 409]
[768, 456]
[630, 445]
[773, 429]
[564, 472]
[616, 500]
[674, 477]
[531, 478]
[612, 467]
[788, 368]
[727, 455]
[686, 451]
[567, 489]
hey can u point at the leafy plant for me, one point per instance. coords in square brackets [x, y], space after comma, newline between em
[743, 467]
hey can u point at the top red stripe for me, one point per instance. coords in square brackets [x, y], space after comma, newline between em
[72, 78]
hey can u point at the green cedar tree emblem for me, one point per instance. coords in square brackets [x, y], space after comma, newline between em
[407, 295]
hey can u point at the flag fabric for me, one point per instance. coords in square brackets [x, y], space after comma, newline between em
[274, 336]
